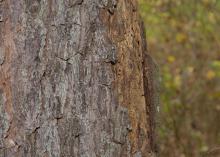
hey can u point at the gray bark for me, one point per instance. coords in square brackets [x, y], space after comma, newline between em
[72, 80]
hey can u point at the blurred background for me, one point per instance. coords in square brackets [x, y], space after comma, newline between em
[184, 38]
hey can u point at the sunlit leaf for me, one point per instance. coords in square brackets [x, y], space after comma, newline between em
[171, 59]
[181, 37]
[190, 69]
[210, 74]
[216, 64]
[177, 81]
[211, 17]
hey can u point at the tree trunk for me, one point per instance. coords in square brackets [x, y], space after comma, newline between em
[75, 80]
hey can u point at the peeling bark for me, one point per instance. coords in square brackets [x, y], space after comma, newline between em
[75, 80]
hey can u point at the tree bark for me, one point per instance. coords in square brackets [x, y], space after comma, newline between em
[75, 80]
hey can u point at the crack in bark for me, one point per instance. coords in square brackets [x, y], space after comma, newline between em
[80, 2]
[69, 58]
[111, 62]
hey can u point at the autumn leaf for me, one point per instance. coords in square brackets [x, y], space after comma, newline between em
[181, 37]
[171, 59]
[210, 75]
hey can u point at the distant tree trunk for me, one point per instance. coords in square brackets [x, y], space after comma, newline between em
[75, 80]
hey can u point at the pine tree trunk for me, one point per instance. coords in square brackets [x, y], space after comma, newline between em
[75, 80]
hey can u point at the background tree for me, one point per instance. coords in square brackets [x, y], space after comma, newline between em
[182, 34]
[75, 80]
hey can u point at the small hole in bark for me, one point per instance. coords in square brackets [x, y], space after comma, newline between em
[113, 62]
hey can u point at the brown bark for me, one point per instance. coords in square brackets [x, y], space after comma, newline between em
[75, 80]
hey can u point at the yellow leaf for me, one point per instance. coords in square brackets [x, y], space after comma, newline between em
[171, 59]
[190, 69]
[181, 37]
[210, 74]
[177, 81]
[211, 17]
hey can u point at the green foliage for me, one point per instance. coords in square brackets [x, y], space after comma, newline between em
[183, 38]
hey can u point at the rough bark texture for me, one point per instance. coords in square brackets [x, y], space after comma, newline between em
[75, 80]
